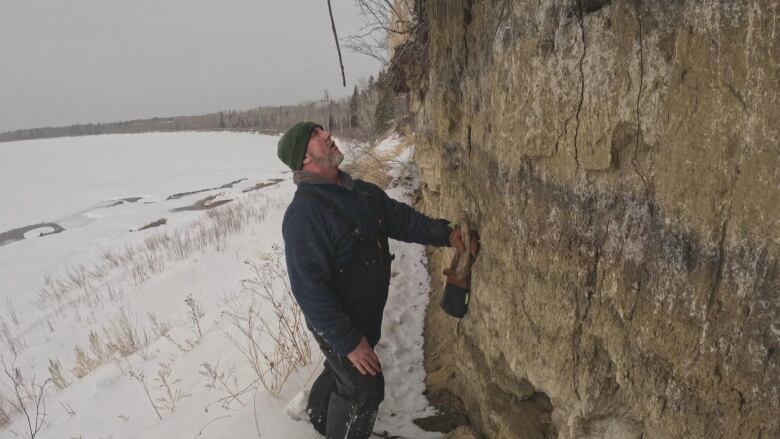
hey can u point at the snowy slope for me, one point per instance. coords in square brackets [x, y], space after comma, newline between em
[100, 274]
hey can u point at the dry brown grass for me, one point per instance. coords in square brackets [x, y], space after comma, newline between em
[370, 168]
[275, 344]
[57, 375]
[372, 165]
[120, 339]
[82, 287]
[161, 328]
[15, 344]
[6, 410]
[84, 363]
[98, 348]
[122, 336]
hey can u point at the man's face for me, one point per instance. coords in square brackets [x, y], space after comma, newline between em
[322, 150]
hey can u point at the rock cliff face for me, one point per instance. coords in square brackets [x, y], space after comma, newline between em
[621, 160]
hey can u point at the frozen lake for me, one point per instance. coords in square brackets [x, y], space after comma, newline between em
[50, 179]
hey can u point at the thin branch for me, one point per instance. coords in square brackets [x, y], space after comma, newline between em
[200, 432]
[141, 378]
[364, 47]
[382, 18]
[254, 405]
[338, 49]
[35, 394]
[232, 396]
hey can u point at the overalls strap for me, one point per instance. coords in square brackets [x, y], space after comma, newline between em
[375, 202]
[334, 209]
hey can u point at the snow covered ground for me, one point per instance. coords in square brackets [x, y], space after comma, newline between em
[132, 265]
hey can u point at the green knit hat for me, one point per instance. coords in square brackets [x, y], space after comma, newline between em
[294, 142]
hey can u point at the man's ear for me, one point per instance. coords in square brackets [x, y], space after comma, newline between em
[306, 160]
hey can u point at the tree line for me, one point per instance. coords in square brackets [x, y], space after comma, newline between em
[367, 113]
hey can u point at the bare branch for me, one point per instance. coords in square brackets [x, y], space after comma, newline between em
[26, 396]
[380, 19]
[365, 47]
[338, 49]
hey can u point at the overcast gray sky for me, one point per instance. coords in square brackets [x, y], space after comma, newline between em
[78, 61]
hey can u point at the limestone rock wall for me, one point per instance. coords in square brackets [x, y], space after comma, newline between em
[621, 160]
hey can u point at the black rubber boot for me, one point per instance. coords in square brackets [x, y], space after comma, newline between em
[346, 421]
[362, 425]
[319, 399]
[340, 411]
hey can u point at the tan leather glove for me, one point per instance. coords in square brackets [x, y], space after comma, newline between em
[455, 298]
[456, 241]
[452, 277]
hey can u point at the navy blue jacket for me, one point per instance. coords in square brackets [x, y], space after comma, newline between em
[316, 241]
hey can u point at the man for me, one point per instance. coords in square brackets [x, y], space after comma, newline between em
[335, 233]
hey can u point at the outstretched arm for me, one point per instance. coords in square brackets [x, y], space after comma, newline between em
[406, 224]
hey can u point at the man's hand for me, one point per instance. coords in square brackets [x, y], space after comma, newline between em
[456, 241]
[364, 358]
[452, 278]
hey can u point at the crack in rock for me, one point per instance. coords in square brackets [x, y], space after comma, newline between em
[635, 161]
[582, 83]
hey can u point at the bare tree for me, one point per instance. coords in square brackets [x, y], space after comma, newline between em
[28, 398]
[327, 102]
[366, 108]
[382, 19]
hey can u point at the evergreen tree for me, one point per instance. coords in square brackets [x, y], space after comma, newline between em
[326, 98]
[354, 121]
[385, 106]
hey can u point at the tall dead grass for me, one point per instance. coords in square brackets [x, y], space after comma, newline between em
[370, 166]
[273, 337]
[15, 344]
[119, 339]
[374, 165]
[6, 411]
[83, 286]
[57, 375]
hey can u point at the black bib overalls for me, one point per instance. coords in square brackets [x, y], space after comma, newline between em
[343, 402]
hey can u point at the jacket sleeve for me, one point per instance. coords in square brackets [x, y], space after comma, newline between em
[406, 224]
[309, 251]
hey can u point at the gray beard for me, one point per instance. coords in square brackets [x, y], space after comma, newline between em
[330, 161]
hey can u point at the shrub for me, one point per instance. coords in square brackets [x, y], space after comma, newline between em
[285, 332]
